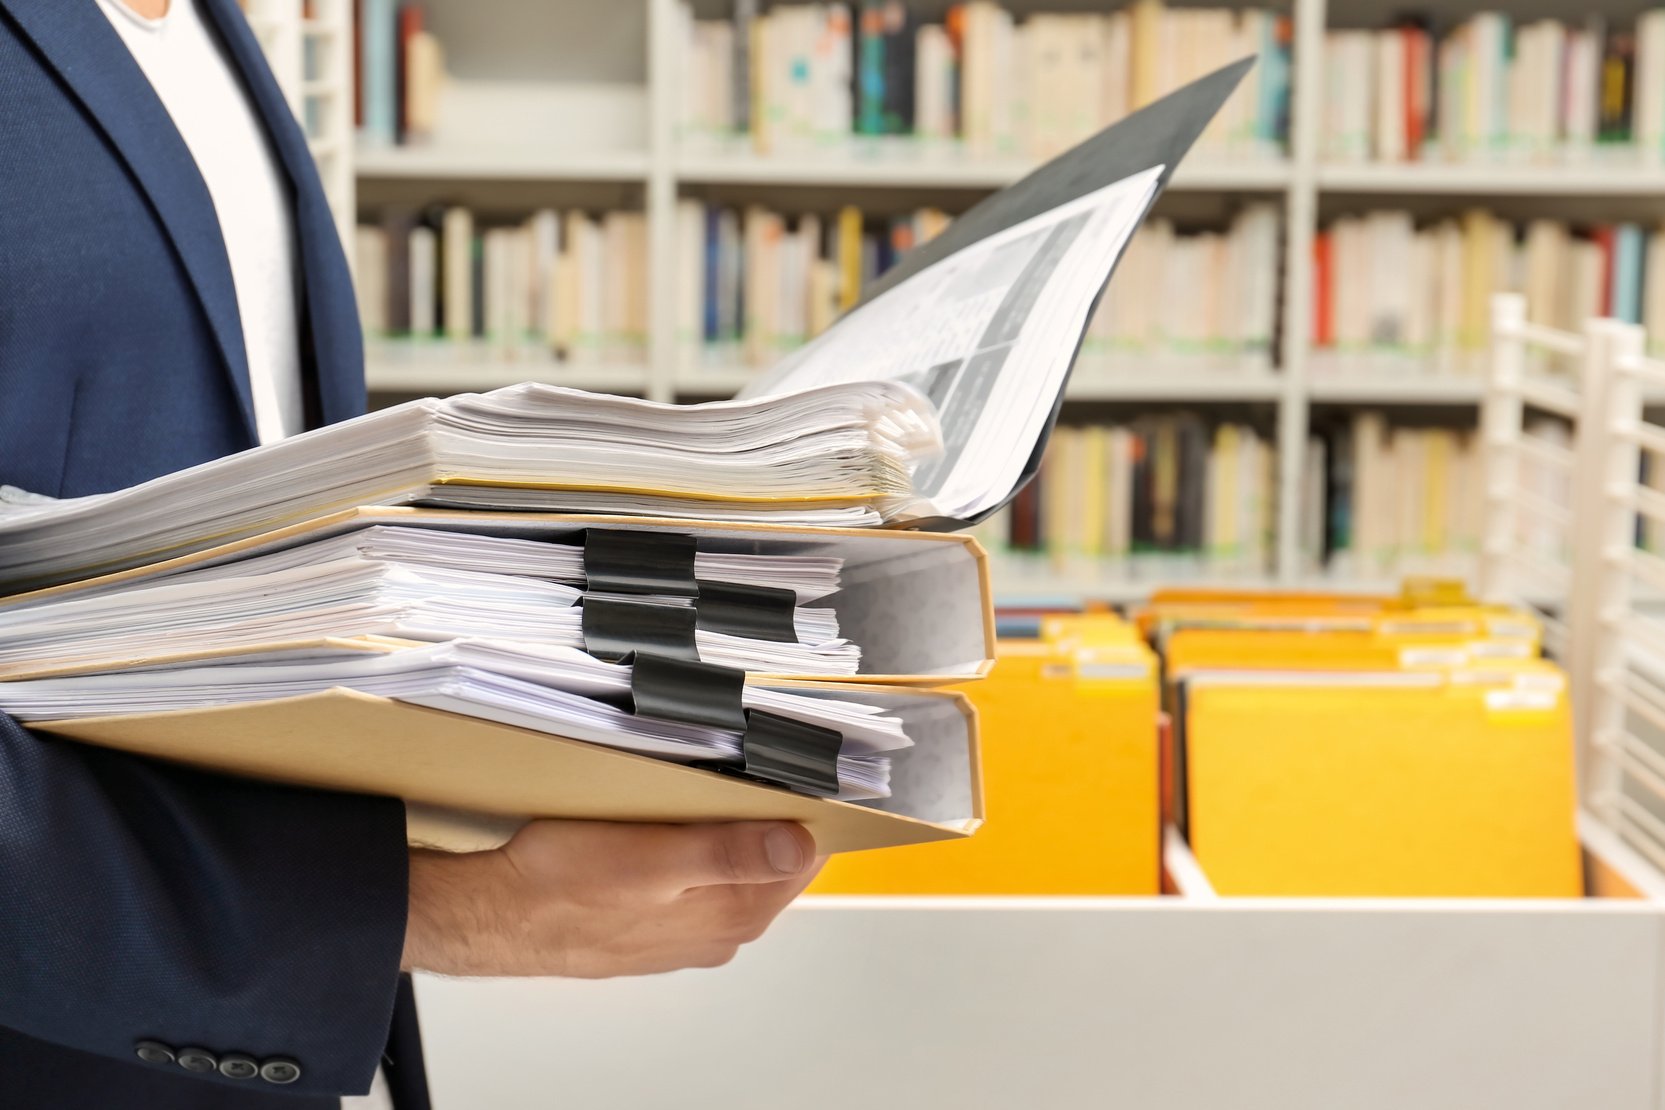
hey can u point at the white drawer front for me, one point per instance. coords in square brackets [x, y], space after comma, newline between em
[1139, 1004]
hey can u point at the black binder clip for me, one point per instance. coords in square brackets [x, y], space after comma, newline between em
[620, 562]
[760, 612]
[615, 628]
[688, 690]
[775, 750]
[794, 754]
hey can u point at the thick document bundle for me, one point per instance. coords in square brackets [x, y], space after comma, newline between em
[510, 732]
[539, 602]
[874, 605]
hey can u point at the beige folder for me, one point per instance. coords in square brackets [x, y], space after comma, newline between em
[471, 782]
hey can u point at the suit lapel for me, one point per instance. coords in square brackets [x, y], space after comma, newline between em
[337, 348]
[89, 57]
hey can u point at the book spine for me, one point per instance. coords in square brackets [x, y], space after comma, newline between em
[378, 31]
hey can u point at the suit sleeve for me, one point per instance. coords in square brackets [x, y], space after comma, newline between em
[141, 901]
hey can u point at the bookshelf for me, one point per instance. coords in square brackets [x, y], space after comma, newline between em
[553, 102]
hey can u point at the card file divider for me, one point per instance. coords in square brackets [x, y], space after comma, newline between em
[775, 750]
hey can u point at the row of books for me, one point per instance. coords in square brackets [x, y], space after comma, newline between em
[1174, 494]
[1403, 499]
[1487, 90]
[398, 69]
[1154, 495]
[1385, 288]
[572, 283]
[1207, 299]
[803, 75]
[752, 284]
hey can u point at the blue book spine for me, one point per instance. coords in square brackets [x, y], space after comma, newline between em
[713, 277]
[870, 70]
[1627, 273]
[378, 38]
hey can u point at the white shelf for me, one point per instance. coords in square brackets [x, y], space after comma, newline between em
[439, 367]
[451, 163]
[1158, 384]
[1162, 383]
[904, 165]
[1020, 586]
[1434, 179]
[1377, 389]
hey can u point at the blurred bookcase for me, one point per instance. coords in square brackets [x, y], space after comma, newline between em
[562, 104]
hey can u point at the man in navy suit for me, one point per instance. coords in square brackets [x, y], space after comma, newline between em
[174, 939]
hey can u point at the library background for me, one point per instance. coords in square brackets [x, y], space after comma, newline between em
[1325, 734]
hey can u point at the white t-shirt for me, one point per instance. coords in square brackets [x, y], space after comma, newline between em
[204, 96]
[201, 91]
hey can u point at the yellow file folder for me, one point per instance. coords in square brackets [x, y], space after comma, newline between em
[1070, 771]
[1382, 784]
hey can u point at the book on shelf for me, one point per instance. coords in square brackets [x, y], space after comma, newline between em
[571, 284]
[1403, 500]
[1160, 495]
[1198, 300]
[398, 72]
[753, 284]
[1486, 90]
[1391, 295]
[807, 77]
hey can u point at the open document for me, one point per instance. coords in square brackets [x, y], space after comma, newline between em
[1006, 316]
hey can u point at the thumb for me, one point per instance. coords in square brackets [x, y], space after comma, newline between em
[744, 852]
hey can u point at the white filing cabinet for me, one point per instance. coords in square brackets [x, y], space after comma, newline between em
[1187, 1003]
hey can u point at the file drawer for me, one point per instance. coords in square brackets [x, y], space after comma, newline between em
[1178, 1003]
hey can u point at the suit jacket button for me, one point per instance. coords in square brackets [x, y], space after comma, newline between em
[280, 1071]
[197, 1060]
[154, 1052]
[234, 1065]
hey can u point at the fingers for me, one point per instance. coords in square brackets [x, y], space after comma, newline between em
[667, 859]
[741, 914]
[740, 854]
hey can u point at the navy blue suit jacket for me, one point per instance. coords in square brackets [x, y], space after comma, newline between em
[141, 901]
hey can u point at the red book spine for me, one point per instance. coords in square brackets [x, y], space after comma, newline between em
[1323, 302]
[410, 25]
[1416, 63]
[1603, 237]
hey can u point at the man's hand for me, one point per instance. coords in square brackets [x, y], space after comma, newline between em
[592, 899]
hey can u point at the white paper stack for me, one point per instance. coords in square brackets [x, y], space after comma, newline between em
[405, 583]
[559, 691]
[838, 455]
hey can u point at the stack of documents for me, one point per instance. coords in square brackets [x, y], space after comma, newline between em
[559, 691]
[838, 455]
[543, 602]
[410, 583]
